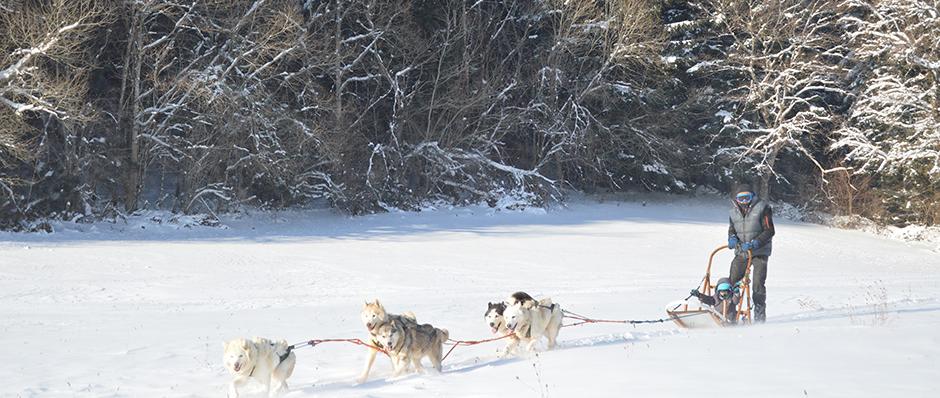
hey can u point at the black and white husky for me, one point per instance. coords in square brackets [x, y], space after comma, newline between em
[524, 312]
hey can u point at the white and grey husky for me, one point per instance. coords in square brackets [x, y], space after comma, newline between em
[497, 323]
[373, 316]
[408, 342]
[529, 320]
[266, 361]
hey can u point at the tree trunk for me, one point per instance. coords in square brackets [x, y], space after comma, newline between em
[466, 47]
[338, 70]
[936, 97]
[130, 97]
[766, 174]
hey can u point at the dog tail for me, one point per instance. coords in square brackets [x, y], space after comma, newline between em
[443, 335]
[410, 315]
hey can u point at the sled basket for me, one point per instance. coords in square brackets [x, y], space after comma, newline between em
[696, 315]
[691, 316]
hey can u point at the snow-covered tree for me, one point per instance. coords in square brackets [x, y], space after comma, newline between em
[199, 100]
[43, 86]
[790, 66]
[108, 106]
[590, 95]
[893, 129]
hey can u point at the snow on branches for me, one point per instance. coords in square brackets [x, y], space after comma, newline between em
[43, 82]
[894, 124]
[790, 62]
[892, 131]
[201, 106]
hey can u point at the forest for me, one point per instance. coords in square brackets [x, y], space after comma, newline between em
[109, 107]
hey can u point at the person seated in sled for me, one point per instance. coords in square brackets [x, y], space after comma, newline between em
[724, 302]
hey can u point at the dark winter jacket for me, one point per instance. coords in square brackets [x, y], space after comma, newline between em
[728, 308]
[754, 221]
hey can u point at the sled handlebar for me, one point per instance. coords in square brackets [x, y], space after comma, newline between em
[707, 281]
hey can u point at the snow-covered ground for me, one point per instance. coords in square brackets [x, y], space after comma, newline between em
[141, 309]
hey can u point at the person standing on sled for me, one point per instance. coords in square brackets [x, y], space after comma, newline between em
[751, 228]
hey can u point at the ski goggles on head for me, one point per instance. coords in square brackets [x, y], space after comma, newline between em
[744, 197]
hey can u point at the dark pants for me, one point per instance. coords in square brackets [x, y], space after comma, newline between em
[758, 290]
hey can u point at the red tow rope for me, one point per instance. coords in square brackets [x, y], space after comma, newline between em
[457, 343]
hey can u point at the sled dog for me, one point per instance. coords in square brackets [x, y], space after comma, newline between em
[494, 319]
[373, 316]
[530, 320]
[266, 361]
[519, 297]
[408, 342]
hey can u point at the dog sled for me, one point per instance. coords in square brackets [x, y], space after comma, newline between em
[693, 314]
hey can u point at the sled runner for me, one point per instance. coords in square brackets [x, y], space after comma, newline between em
[692, 314]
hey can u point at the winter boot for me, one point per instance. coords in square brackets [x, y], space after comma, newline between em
[760, 308]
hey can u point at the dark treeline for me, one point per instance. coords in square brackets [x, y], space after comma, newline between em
[111, 106]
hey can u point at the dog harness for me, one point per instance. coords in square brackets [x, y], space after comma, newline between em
[284, 356]
[551, 308]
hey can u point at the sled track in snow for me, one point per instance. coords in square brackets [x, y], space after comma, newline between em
[478, 362]
[888, 308]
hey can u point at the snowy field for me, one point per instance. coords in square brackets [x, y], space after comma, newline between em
[141, 309]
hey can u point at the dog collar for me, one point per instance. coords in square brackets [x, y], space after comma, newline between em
[375, 327]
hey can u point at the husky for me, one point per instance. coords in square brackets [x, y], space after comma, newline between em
[408, 342]
[373, 316]
[266, 361]
[519, 297]
[530, 320]
[494, 318]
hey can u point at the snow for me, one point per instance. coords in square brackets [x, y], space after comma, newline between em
[725, 116]
[910, 233]
[622, 88]
[697, 67]
[681, 25]
[656, 167]
[140, 309]
[602, 25]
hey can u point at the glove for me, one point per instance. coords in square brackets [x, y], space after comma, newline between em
[752, 245]
[732, 241]
[695, 293]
